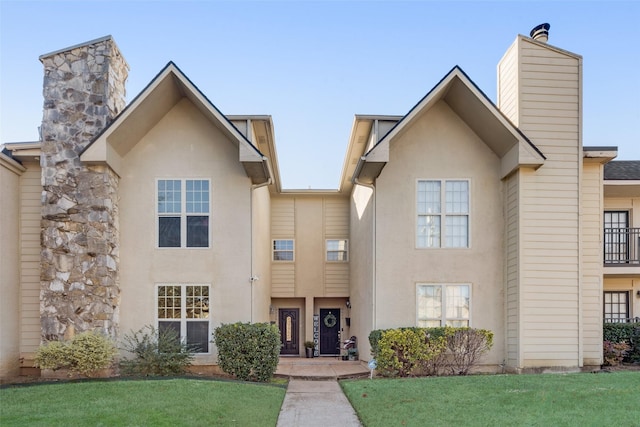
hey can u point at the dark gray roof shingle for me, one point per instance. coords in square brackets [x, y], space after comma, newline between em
[622, 170]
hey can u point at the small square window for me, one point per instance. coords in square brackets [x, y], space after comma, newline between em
[283, 250]
[337, 250]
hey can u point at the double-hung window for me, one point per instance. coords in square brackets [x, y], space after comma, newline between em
[183, 213]
[443, 305]
[442, 214]
[337, 250]
[283, 250]
[616, 306]
[185, 309]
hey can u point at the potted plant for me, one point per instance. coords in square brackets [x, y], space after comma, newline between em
[352, 354]
[308, 348]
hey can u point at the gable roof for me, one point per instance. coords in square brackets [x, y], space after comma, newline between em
[163, 92]
[471, 104]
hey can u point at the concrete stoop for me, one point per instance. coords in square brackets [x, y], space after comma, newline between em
[320, 369]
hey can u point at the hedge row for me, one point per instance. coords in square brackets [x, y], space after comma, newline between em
[428, 351]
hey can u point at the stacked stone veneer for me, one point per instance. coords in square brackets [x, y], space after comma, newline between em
[83, 92]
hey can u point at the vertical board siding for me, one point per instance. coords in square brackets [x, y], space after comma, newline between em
[336, 276]
[592, 269]
[336, 218]
[30, 216]
[282, 218]
[282, 227]
[336, 226]
[549, 213]
[283, 280]
[512, 270]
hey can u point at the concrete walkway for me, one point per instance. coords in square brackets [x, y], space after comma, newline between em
[314, 397]
[316, 403]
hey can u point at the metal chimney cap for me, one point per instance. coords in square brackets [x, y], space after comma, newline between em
[541, 32]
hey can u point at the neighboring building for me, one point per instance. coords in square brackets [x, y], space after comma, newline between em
[167, 212]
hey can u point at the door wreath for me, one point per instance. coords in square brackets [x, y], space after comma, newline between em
[330, 320]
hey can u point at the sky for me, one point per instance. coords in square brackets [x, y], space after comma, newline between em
[313, 65]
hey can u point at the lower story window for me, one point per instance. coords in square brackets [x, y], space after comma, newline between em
[185, 309]
[616, 306]
[443, 305]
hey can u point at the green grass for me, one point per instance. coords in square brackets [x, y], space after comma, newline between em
[174, 402]
[499, 400]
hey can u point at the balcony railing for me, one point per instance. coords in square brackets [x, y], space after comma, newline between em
[622, 320]
[621, 246]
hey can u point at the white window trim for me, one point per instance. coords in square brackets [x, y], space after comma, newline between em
[273, 251]
[183, 310]
[183, 213]
[443, 317]
[346, 251]
[442, 214]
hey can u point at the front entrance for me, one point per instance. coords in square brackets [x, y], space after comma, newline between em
[289, 336]
[329, 331]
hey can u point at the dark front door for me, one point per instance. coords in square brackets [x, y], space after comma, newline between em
[289, 330]
[329, 331]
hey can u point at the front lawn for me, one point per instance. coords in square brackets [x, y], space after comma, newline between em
[604, 399]
[174, 402]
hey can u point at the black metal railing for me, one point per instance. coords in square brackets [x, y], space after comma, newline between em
[621, 246]
[622, 320]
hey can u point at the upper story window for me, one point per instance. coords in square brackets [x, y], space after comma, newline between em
[337, 250]
[283, 250]
[443, 305]
[183, 213]
[443, 214]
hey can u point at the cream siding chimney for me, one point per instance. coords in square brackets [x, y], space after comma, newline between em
[540, 91]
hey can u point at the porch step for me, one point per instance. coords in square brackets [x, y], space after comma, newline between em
[320, 368]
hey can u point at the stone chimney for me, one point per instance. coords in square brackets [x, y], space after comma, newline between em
[83, 91]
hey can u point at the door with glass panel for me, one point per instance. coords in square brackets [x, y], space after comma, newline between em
[616, 237]
[289, 336]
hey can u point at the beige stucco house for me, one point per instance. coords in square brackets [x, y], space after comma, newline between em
[167, 212]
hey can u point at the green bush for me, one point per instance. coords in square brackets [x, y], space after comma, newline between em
[83, 354]
[248, 351]
[53, 355]
[156, 353]
[624, 333]
[408, 351]
[428, 351]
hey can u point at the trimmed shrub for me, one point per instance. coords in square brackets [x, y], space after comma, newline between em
[248, 351]
[83, 354]
[157, 353]
[408, 351]
[628, 333]
[428, 351]
[53, 355]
